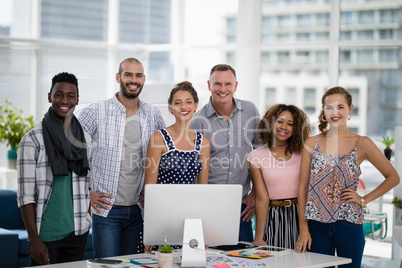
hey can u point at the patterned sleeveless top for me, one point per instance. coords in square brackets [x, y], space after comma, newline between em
[330, 175]
[178, 166]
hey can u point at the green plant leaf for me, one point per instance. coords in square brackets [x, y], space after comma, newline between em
[13, 124]
[166, 249]
[387, 141]
[397, 202]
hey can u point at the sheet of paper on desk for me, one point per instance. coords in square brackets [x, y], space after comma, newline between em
[118, 265]
[143, 261]
[250, 255]
[127, 263]
[219, 260]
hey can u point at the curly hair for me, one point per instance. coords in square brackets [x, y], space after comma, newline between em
[64, 77]
[301, 127]
[322, 126]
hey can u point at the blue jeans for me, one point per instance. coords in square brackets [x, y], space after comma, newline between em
[120, 233]
[344, 237]
[246, 228]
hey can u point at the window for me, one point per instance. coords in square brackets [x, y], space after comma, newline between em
[302, 57]
[387, 34]
[268, 22]
[142, 23]
[390, 78]
[303, 37]
[355, 97]
[366, 17]
[346, 35]
[388, 55]
[303, 20]
[309, 97]
[266, 58]
[345, 56]
[323, 19]
[231, 39]
[365, 56]
[366, 35]
[321, 57]
[283, 37]
[283, 57]
[231, 24]
[346, 18]
[290, 95]
[6, 11]
[64, 20]
[231, 58]
[389, 96]
[268, 38]
[389, 116]
[285, 21]
[270, 97]
[388, 16]
[322, 36]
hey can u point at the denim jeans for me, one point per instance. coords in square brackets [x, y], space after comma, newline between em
[120, 233]
[344, 237]
[246, 228]
[70, 248]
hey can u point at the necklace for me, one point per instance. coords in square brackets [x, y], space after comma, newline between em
[280, 146]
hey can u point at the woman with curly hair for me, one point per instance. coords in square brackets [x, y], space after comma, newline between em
[275, 170]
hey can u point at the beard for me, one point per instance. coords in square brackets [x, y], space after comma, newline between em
[126, 93]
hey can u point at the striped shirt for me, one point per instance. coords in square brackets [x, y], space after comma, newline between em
[35, 181]
[105, 123]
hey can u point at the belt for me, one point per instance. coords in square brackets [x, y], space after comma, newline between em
[282, 203]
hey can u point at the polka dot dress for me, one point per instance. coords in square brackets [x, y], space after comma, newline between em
[178, 166]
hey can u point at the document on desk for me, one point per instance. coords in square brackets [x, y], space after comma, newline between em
[125, 263]
[217, 261]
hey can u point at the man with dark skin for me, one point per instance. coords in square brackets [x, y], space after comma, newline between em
[53, 181]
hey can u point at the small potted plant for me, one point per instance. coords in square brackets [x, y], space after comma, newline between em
[387, 141]
[165, 257]
[398, 212]
[13, 126]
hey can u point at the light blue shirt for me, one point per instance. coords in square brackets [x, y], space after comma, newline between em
[105, 123]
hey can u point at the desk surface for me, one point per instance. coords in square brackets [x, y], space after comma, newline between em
[288, 260]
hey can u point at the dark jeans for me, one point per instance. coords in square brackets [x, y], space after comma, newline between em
[246, 228]
[344, 237]
[120, 233]
[70, 248]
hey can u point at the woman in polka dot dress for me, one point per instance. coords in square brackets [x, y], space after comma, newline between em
[179, 154]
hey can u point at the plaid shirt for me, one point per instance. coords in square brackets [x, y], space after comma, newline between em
[105, 123]
[35, 181]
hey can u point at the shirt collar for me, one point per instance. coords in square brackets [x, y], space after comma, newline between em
[121, 107]
[211, 110]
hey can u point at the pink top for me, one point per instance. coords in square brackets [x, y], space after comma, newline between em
[281, 177]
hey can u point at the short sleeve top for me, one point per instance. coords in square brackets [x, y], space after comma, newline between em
[178, 166]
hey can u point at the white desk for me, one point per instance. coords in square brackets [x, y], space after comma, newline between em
[289, 260]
